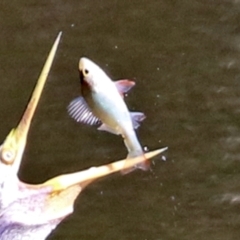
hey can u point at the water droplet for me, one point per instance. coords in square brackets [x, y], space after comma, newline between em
[164, 158]
[145, 148]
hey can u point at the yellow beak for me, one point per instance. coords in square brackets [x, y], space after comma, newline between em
[12, 149]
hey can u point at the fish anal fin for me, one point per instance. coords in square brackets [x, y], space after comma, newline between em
[137, 117]
[124, 85]
[80, 112]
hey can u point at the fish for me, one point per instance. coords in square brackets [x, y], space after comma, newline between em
[102, 104]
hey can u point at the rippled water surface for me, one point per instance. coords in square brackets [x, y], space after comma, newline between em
[185, 58]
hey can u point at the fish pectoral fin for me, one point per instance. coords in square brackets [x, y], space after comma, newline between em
[137, 117]
[106, 128]
[80, 112]
[124, 85]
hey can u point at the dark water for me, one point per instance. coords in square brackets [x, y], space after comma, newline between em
[185, 58]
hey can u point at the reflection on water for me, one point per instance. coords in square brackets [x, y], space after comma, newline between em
[184, 57]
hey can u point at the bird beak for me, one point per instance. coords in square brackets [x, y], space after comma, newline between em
[12, 149]
[64, 189]
[83, 178]
[58, 194]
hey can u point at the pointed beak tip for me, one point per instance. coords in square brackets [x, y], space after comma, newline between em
[155, 153]
[162, 150]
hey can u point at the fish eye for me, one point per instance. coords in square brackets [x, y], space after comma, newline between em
[7, 156]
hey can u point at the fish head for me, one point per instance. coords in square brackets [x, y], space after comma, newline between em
[91, 74]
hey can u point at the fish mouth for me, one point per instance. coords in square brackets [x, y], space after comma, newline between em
[81, 76]
[83, 80]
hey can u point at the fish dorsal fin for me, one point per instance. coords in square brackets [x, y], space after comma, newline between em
[124, 85]
[80, 112]
[137, 117]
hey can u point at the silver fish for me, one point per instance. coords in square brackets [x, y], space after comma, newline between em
[102, 104]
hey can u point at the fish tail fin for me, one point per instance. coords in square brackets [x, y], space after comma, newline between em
[144, 165]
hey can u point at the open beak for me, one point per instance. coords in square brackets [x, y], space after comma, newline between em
[58, 194]
[12, 149]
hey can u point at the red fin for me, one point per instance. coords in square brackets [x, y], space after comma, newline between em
[145, 166]
[124, 85]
